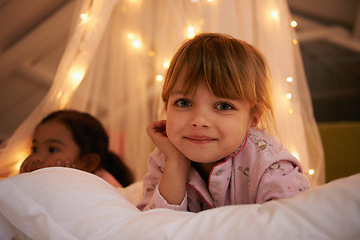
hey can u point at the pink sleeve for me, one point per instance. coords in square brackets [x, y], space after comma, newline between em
[281, 180]
[151, 196]
[157, 201]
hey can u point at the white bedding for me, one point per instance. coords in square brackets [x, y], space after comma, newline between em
[64, 203]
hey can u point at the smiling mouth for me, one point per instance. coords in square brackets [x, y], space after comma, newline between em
[200, 139]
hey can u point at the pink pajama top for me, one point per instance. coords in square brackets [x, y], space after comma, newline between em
[260, 170]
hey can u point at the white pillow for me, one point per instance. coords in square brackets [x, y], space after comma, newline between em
[64, 203]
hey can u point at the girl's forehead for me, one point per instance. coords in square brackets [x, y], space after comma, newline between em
[186, 88]
[183, 82]
[52, 130]
[52, 126]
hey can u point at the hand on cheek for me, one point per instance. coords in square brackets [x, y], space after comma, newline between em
[24, 166]
[65, 163]
[173, 182]
[157, 132]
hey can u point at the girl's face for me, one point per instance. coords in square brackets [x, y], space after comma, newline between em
[204, 127]
[52, 144]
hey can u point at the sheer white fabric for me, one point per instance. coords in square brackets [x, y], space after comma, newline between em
[121, 49]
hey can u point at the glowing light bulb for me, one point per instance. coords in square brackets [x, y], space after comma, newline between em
[294, 41]
[166, 64]
[77, 77]
[289, 79]
[311, 171]
[159, 78]
[293, 24]
[84, 17]
[288, 96]
[191, 32]
[136, 43]
[275, 14]
[209, 0]
[291, 111]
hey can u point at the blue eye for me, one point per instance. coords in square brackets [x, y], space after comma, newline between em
[224, 107]
[183, 103]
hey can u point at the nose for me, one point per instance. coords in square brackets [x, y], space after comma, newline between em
[200, 119]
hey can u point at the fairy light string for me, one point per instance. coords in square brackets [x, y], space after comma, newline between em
[290, 80]
[294, 24]
[76, 74]
[76, 71]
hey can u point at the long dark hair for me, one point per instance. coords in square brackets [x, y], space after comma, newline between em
[91, 137]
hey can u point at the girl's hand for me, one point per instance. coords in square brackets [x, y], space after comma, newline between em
[24, 166]
[157, 132]
[64, 163]
[172, 185]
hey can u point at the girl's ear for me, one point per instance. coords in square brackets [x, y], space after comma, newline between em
[255, 116]
[90, 162]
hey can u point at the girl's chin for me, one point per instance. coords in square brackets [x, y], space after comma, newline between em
[205, 157]
[202, 159]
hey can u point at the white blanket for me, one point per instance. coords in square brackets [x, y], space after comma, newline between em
[64, 203]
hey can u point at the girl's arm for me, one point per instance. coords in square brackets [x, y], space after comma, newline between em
[172, 186]
[152, 198]
[283, 179]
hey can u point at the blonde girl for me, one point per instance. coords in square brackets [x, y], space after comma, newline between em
[214, 148]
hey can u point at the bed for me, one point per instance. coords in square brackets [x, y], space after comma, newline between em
[64, 203]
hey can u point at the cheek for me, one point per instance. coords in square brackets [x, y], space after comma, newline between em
[171, 129]
[239, 135]
[174, 128]
[170, 121]
[74, 158]
[236, 131]
[73, 152]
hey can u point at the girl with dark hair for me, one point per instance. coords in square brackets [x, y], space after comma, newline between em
[70, 138]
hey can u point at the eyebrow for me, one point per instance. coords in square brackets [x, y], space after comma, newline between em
[51, 141]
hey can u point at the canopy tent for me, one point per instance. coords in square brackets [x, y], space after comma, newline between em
[118, 52]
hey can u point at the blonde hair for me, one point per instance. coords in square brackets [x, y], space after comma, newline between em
[230, 68]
